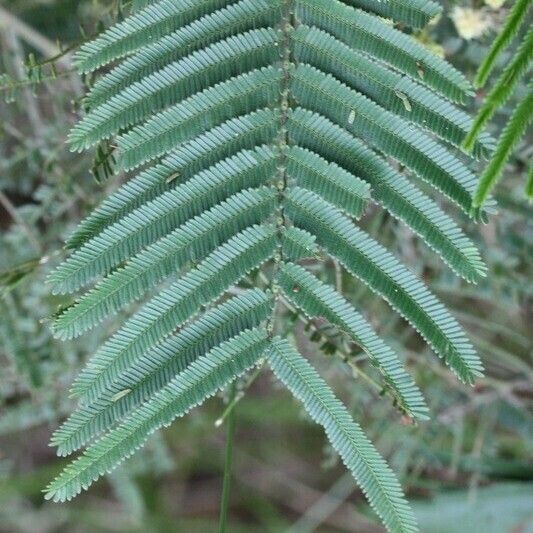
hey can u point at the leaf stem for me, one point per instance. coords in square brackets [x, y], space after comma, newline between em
[226, 486]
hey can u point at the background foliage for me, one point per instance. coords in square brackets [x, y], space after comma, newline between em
[471, 461]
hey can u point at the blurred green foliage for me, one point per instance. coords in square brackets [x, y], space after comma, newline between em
[471, 463]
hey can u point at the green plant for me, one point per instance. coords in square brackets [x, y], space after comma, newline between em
[263, 128]
[501, 91]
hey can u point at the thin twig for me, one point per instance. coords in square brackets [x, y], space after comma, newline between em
[45, 46]
[50, 50]
[326, 505]
[226, 487]
[13, 46]
[238, 397]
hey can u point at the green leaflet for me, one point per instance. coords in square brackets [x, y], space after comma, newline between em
[224, 267]
[367, 33]
[511, 27]
[233, 19]
[163, 132]
[244, 132]
[381, 271]
[190, 242]
[174, 83]
[514, 130]
[399, 94]
[503, 88]
[161, 216]
[397, 194]
[415, 13]
[192, 156]
[317, 299]
[160, 365]
[140, 29]
[328, 180]
[313, 89]
[371, 472]
[298, 244]
[192, 387]
[529, 183]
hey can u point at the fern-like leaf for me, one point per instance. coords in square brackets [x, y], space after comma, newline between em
[376, 267]
[416, 13]
[509, 30]
[263, 129]
[317, 299]
[399, 94]
[360, 457]
[230, 20]
[298, 244]
[190, 242]
[514, 130]
[159, 217]
[141, 29]
[161, 364]
[328, 180]
[315, 90]
[400, 197]
[190, 388]
[364, 32]
[501, 91]
[259, 88]
[176, 82]
[249, 131]
[503, 87]
[227, 265]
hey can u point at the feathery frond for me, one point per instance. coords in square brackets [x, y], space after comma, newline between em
[416, 13]
[192, 156]
[510, 29]
[164, 361]
[190, 388]
[141, 29]
[298, 244]
[385, 275]
[369, 34]
[514, 130]
[372, 473]
[190, 242]
[501, 91]
[313, 89]
[230, 20]
[224, 267]
[176, 82]
[159, 217]
[397, 93]
[328, 180]
[261, 130]
[400, 197]
[317, 299]
[249, 92]
[503, 88]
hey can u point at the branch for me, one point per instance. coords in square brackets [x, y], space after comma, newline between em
[32, 37]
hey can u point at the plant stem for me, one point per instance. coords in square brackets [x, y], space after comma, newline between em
[239, 396]
[226, 487]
